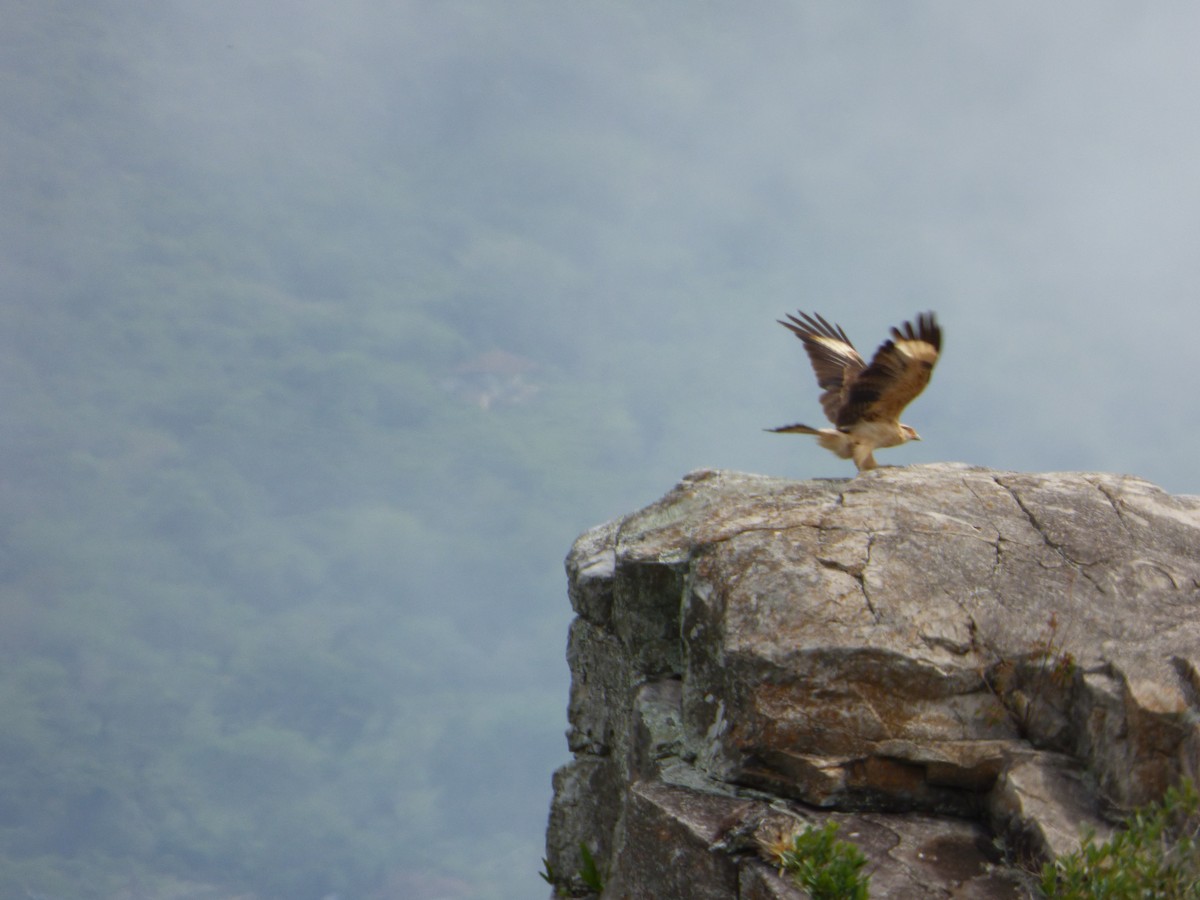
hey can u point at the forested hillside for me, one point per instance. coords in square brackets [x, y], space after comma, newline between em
[285, 492]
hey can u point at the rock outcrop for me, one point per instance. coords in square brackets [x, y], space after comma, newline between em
[962, 667]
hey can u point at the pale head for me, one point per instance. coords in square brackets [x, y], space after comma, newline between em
[910, 433]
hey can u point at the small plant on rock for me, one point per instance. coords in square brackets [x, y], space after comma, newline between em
[588, 872]
[588, 875]
[828, 868]
[1024, 687]
[1155, 856]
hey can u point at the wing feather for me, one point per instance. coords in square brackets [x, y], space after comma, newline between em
[899, 372]
[834, 360]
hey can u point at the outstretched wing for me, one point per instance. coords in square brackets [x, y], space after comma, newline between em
[834, 360]
[899, 372]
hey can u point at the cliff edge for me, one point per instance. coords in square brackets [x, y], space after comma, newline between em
[960, 666]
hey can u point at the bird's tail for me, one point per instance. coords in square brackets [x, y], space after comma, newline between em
[793, 429]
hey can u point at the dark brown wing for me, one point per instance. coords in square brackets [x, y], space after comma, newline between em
[898, 373]
[834, 360]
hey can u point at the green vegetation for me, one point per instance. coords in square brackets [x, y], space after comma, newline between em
[548, 874]
[589, 874]
[1156, 854]
[588, 871]
[826, 867]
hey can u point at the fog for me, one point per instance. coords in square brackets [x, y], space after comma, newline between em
[327, 328]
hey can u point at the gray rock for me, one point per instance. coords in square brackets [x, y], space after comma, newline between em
[939, 655]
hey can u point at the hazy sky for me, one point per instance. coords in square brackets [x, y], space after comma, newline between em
[1029, 172]
[629, 194]
[679, 175]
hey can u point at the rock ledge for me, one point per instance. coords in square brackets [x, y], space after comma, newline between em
[945, 659]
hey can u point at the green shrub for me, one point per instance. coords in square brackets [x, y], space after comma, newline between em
[1155, 856]
[829, 869]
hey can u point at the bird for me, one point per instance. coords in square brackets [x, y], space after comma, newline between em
[863, 401]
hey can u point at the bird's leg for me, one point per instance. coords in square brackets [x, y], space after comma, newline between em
[864, 457]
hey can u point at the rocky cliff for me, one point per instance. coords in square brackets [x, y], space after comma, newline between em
[960, 666]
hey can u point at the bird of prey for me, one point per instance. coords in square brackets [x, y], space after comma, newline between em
[863, 401]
